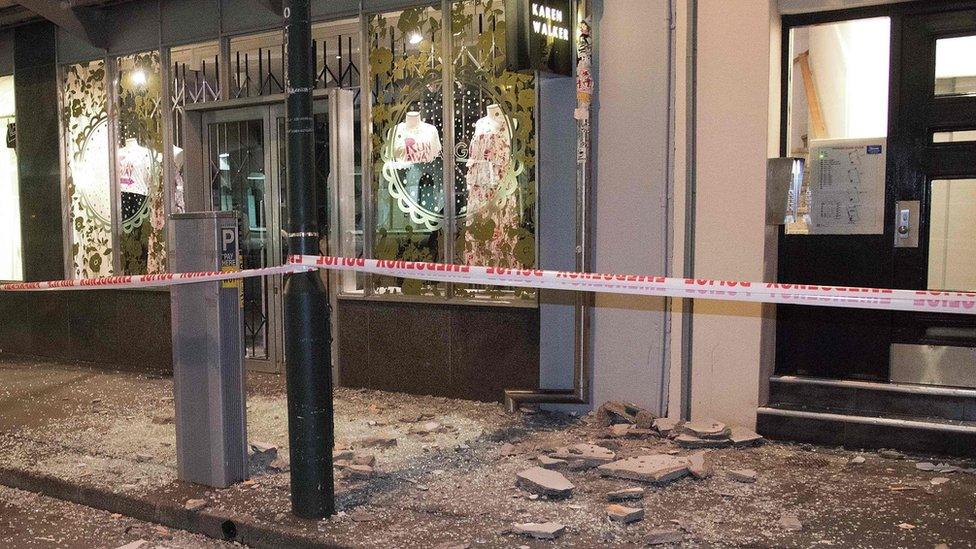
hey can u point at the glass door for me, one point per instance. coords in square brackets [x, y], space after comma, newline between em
[240, 159]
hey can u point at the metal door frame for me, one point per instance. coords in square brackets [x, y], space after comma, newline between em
[275, 341]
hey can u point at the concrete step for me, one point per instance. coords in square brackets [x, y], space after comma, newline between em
[856, 431]
[860, 398]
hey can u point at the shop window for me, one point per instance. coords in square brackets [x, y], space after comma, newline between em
[113, 168]
[257, 64]
[139, 159]
[460, 191]
[494, 128]
[952, 235]
[838, 89]
[11, 252]
[407, 132]
[87, 173]
[337, 54]
[194, 78]
[955, 66]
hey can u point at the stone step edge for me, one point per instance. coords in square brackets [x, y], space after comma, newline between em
[212, 524]
[931, 390]
[870, 420]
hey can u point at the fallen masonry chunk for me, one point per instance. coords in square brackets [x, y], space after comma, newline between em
[690, 441]
[507, 449]
[707, 428]
[925, 466]
[263, 448]
[194, 504]
[364, 459]
[626, 494]
[891, 454]
[343, 455]
[279, 464]
[743, 475]
[618, 430]
[591, 454]
[613, 411]
[697, 466]
[377, 442]
[664, 536]
[360, 472]
[550, 463]
[742, 437]
[665, 425]
[857, 460]
[544, 482]
[939, 480]
[658, 468]
[427, 428]
[137, 544]
[623, 514]
[540, 530]
[644, 419]
[791, 523]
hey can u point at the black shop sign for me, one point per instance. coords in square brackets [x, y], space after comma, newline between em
[540, 35]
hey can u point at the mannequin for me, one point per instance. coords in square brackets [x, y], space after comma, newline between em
[415, 140]
[135, 162]
[489, 163]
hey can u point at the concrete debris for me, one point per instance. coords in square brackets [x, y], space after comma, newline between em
[664, 537]
[657, 468]
[697, 466]
[279, 464]
[359, 472]
[539, 530]
[343, 455]
[427, 428]
[790, 522]
[194, 504]
[626, 494]
[939, 480]
[891, 454]
[377, 442]
[550, 463]
[857, 460]
[626, 515]
[618, 430]
[580, 465]
[706, 428]
[544, 482]
[940, 468]
[742, 437]
[665, 425]
[906, 526]
[744, 475]
[690, 441]
[644, 419]
[507, 450]
[613, 411]
[591, 454]
[261, 454]
[364, 459]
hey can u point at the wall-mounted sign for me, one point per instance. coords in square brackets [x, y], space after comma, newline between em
[540, 35]
[847, 186]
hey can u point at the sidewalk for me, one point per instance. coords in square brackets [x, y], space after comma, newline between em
[445, 473]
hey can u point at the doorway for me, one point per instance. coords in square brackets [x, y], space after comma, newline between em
[922, 118]
[244, 170]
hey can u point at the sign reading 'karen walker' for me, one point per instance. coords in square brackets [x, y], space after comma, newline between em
[540, 36]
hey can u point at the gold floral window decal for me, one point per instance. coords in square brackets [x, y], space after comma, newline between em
[458, 190]
[84, 116]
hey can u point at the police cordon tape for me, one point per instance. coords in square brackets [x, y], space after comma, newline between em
[697, 288]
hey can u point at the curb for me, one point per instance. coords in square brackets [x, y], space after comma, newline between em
[212, 524]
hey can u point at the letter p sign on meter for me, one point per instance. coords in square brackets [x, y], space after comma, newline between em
[229, 259]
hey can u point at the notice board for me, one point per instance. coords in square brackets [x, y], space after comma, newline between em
[847, 186]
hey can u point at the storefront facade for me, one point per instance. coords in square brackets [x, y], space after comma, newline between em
[429, 148]
[179, 107]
